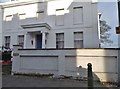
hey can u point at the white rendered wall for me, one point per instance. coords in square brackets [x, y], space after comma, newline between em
[67, 62]
[88, 27]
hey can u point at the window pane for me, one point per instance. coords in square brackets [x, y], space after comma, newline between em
[22, 16]
[21, 40]
[78, 39]
[78, 35]
[9, 18]
[78, 15]
[78, 43]
[59, 17]
[40, 15]
[60, 40]
[7, 41]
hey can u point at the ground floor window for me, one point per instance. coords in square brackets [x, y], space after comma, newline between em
[59, 40]
[7, 41]
[78, 39]
[21, 40]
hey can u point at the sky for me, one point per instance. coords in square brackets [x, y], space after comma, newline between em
[108, 9]
[3, 0]
[109, 14]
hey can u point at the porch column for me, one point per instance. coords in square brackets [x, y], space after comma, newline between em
[43, 40]
[26, 40]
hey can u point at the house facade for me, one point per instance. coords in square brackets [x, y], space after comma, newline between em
[50, 24]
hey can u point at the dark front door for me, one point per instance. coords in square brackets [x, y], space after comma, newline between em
[39, 41]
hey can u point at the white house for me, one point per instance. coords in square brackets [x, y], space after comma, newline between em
[56, 24]
[50, 24]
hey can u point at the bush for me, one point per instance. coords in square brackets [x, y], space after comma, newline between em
[6, 56]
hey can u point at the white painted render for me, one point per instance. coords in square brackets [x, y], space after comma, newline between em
[67, 62]
[26, 13]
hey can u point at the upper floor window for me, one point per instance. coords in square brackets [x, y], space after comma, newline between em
[40, 15]
[8, 18]
[59, 20]
[8, 22]
[22, 16]
[78, 39]
[21, 40]
[7, 41]
[59, 40]
[78, 15]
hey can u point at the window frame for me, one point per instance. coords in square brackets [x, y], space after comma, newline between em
[76, 41]
[22, 14]
[58, 16]
[59, 41]
[19, 40]
[40, 15]
[78, 7]
[7, 41]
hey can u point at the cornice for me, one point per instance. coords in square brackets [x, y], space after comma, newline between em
[36, 25]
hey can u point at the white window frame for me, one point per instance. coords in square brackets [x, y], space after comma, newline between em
[8, 16]
[59, 40]
[22, 16]
[8, 22]
[78, 40]
[7, 41]
[21, 40]
[77, 17]
[59, 19]
[40, 15]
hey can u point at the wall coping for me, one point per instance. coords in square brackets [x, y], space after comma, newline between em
[74, 49]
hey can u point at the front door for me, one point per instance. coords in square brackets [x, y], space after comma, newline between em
[39, 41]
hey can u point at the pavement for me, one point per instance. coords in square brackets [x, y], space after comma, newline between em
[28, 81]
[7, 81]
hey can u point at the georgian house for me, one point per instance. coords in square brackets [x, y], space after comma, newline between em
[50, 24]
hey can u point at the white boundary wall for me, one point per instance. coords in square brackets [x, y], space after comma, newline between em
[67, 62]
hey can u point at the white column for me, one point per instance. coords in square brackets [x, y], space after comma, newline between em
[26, 40]
[43, 40]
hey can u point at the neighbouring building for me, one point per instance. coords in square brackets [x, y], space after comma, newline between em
[49, 24]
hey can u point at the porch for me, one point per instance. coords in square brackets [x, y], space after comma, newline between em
[36, 35]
